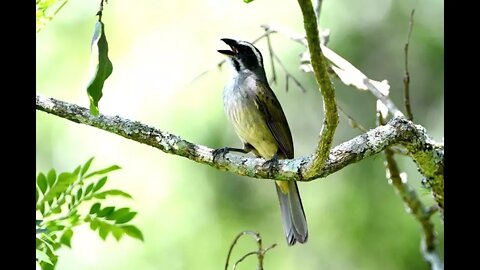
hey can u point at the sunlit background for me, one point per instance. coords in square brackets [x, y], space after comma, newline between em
[190, 213]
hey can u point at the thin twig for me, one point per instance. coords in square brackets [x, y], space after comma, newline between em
[288, 75]
[406, 76]
[243, 258]
[353, 123]
[260, 252]
[272, 63]
[100, 10]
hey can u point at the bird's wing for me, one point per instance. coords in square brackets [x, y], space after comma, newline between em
[268, 104]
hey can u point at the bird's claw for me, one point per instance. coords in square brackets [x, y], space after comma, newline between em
[220, 151]
[272, 165]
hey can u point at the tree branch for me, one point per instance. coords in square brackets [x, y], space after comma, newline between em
[406, 76]
[319, 64]
[415, 206]
[426, 153]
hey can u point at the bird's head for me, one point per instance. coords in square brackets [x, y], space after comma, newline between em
[243, 55]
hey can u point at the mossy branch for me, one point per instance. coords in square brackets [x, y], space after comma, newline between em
[427, 154]
[319, 65]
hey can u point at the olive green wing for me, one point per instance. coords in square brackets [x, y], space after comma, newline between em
[269, 105]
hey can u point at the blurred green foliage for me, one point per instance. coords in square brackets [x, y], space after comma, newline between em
[60, 206]
[190, 213]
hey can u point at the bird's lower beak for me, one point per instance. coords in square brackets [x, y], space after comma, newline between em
[231, 43]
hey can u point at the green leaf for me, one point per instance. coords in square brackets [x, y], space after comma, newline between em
[112, 192]
[94, 224]
[122, 215]
[133, 231]
[53, 227]
[72, 203]
[56, 210]
[247, 1]
[94, 209]
[41, 208]
[42, 257]
[104, 230]
[100, 183]
[66, 238]
[86, 166]
[77, 170]
[79, 193]
[117, 232]
[42, 182]
[89, 189]
[104, 171]
[100, 66]
[105, 212]
[51, 177]
[63, 182]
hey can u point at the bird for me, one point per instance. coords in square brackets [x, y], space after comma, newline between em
[260, 123]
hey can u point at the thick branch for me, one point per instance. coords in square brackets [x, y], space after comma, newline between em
[319, 64]
[427, 155]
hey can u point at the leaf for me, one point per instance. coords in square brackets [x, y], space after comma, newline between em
[42, 257]
[86, 166]
[94, 224]
[66, 237]
[112, 192]
[56, 210]
[41, 208]
[72, 202]
[63, 182]
[247, 1]
[53, 227]
[122, 215]
[89, 189]
[42, 182]
[77, 170]
[79, 193]
[100, 183]
[105, 212]
[94, 209]
[117, 232]
[133, 232]
[104, 171]
[104, 230]
[51, 177]
[100, 66]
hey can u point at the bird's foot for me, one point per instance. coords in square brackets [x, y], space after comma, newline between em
[220, 151]
[272, 165]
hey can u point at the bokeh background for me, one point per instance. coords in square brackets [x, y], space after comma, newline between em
[190, 213]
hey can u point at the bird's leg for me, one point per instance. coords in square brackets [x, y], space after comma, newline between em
[272, 164]
[222, 151]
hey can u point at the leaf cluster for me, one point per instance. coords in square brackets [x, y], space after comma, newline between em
[61, 205]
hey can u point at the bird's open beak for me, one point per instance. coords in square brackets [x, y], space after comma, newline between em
[232, 43]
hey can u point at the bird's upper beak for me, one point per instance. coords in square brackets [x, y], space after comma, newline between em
[232, 43]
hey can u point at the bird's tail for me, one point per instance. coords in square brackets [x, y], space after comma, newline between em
[293, 216]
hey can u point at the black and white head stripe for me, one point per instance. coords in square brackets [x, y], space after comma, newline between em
[247, 48]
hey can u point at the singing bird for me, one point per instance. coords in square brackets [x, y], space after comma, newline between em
[259, 121]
